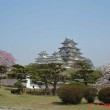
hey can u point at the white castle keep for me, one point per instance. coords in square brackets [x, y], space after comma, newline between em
[68, 54]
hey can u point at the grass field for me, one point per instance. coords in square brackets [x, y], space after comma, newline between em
[33, 102]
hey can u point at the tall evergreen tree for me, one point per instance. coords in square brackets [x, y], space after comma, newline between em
[85, 71]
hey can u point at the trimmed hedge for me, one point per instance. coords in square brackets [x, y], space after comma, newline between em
[15, 91]
[104, 95]
[70, 94]
[81, 85]
[78, 84]
[90, 94]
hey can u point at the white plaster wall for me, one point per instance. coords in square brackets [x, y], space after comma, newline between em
[29, 85]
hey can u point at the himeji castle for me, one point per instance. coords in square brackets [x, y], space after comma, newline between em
[68, 54]
[44, 58]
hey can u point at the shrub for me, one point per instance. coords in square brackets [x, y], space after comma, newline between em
[19, 85]
[104, 95]
[70, 94]
[78, 84]
[81, 85]
[90, 94]
[15, 91]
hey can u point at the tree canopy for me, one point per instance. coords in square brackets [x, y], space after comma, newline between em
[85, 71]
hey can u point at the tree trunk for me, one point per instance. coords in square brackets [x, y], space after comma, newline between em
[54, 88]
[46, 83]
[85, 83]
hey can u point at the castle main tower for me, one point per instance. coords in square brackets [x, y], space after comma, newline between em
[69, 52]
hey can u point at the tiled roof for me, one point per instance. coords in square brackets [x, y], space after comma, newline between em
[8, 82]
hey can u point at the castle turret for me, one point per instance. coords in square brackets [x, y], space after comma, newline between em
[69, 52]
[44, 58]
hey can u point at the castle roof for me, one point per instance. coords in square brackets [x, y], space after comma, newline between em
[66, 41]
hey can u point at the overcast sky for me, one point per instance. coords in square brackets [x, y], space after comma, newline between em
[30, 26]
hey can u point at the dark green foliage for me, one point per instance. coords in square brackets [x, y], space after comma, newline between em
[3, 69]
[85, 71]
[18, 72]
[70, 94]
[19, 85]
[104, 95]
[78, 84]
[90, 94]
[84, 65]
[94, 76]
[54, 77]
[46, 74]
[15, 91]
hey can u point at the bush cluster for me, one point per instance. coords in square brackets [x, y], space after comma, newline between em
[15, 91]
[20, 86]
[78, 84]
[104, 95]
[74, 92]
[70, 94]
[90, 94]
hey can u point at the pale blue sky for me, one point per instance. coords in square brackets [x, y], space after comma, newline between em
[30, 26]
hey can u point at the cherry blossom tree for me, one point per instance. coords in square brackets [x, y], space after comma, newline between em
[6, 58]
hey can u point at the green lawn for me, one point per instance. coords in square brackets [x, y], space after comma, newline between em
[34, 102]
